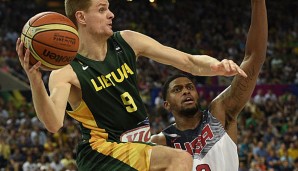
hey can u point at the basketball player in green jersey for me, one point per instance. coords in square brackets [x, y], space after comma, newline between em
[100, 85]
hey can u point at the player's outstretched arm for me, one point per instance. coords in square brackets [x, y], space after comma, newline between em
[203, 65]
[49, 110]
[255, 55]
[229, 103]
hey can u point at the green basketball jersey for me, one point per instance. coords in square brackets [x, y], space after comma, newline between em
[109, 90]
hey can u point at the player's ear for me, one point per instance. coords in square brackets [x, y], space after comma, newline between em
[80, 16]
[167, 105]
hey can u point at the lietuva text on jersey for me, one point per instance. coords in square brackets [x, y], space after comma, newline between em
[105, 81]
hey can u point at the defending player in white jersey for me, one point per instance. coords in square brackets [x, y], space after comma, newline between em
[211, 135]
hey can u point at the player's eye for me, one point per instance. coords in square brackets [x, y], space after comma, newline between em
[190, 87]
[177, 89]
[101, 9]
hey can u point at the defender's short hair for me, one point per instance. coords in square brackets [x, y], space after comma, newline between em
[169, 80]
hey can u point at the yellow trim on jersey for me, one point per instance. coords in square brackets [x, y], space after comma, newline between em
[84, 115]
[136, 155]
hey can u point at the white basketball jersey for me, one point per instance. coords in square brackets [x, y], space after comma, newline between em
[221, 157]
[209, 144]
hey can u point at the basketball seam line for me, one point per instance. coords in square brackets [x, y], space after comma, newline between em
[53, 23]
[49, 45]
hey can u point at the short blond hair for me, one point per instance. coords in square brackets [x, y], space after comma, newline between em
[72, 6]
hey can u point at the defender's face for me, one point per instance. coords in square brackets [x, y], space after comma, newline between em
[182, 97]
[98, 18]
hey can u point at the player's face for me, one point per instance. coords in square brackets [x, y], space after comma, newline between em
[182, 97]
[98, 18]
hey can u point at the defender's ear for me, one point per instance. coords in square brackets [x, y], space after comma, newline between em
[167, 105]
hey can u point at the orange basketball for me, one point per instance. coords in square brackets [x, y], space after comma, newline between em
[52, 38]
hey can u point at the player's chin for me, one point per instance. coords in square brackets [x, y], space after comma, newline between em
[110, 30]
[189, 111]
[109, 33]
[188, 106]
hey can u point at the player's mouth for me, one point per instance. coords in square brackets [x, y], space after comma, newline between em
[188, 100]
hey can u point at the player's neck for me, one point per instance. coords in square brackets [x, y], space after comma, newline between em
[183, 123]
[93, 51]
[93, 47]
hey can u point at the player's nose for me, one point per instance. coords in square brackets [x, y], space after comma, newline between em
[185, 90]
[111, 15]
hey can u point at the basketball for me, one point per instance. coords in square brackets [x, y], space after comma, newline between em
[52, 38]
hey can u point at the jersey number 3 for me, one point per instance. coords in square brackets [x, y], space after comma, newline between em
[129, 102]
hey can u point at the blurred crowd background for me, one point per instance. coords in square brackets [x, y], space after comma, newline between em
[268, 128]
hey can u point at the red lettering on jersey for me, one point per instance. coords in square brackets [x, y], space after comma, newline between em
[141, 134]
[189, 147]
[203, 167]
[199, 147]
[147, 136]
[207, 134]
[198, 143]
[177, 145]
[131, 138]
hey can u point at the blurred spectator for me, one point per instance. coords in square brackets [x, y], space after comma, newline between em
[296, 165]
[39, 135]
[29, 165]
[17, 159]
[158, 101]
[5, 151]
[273, 160]
[259, 98]
[56, 164]
[68, 161]
[293, 150]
